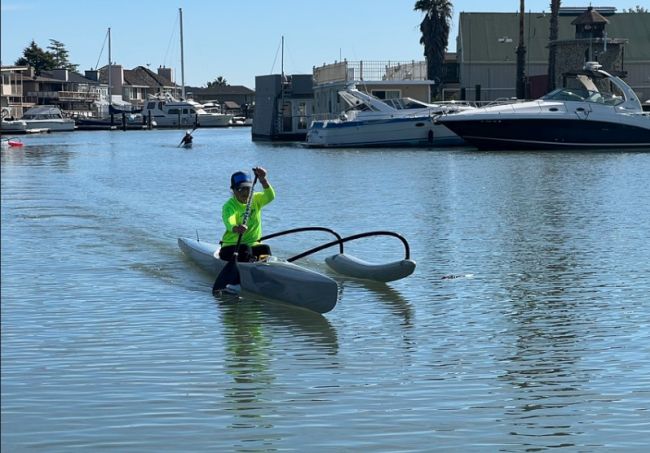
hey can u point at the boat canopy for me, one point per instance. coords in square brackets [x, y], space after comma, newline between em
[42, 112]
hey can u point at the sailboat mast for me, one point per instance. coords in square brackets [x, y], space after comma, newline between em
[282, 59]
[180, 13]
[110, 85]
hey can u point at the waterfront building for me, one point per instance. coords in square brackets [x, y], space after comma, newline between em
[283, 106]
[487, 44]
[11, 98]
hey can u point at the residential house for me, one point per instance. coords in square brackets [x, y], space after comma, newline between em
[70, 91]
[234, 99]
[11, 98]
[134, 86]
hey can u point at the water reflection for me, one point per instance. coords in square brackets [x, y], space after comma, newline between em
[387, 296]
[544, 318]
[254, 329]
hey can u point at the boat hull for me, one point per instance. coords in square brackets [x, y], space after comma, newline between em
[413, 131]
[273, 279]
[13, 127]
[550, 133]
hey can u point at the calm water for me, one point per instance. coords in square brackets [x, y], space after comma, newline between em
[111, 339]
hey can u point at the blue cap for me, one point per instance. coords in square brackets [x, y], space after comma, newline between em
[240, 179]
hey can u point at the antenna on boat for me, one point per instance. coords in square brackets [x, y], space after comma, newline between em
[180, 15]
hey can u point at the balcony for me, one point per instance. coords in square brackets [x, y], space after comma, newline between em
[70, 96]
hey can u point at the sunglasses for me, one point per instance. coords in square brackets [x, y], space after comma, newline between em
[243, 189]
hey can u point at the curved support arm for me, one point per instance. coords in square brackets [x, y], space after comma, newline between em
[299, 230]
[340, 241]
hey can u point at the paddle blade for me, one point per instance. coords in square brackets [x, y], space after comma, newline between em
[229, 275]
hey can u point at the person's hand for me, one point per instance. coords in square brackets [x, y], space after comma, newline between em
[260, 173]
[240, 229]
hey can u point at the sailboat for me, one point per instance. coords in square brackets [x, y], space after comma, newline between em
[170, 112]
[116, 118]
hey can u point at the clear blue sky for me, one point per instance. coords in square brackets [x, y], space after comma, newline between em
[234, 39]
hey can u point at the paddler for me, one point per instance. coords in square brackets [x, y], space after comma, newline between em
[232, 213]
[187, 139]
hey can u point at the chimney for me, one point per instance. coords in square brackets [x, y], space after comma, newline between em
[92, 74]
[61, 74]
[167, 73]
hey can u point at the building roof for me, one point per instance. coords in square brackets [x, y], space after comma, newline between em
[590, 16]
[142, 76]
[501, 32]
[73, 77]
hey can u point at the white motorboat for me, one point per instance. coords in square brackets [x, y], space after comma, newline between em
[286, 282]
[13, 126]
[594, 110]
[170, 112]
[47, 117]
[370, 121]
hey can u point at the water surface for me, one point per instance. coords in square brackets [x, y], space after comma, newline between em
[112, 340]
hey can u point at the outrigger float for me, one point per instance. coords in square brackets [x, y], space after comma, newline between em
[286, 282]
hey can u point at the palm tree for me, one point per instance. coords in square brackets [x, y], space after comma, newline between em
[435, 36]
[552, 51]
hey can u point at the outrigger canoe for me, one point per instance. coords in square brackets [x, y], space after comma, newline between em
[273, 278]
[295, 285]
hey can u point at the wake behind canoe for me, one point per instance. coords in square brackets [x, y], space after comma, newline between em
[274, 278]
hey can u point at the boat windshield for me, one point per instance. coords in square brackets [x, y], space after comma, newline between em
[405, 103]
[583, 95]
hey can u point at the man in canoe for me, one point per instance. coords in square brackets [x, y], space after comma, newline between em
[233, 212]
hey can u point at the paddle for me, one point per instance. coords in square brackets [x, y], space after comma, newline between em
[230, 272]
[183, 139]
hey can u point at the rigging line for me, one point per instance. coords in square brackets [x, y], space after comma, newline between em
[175, 26]
[101, 51]
[276, 57]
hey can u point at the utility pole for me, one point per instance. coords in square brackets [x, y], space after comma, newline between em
[521, 55]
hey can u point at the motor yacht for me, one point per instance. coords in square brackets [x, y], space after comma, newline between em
[47, 117]
[170, 112]
[370, 121]
[594, 110]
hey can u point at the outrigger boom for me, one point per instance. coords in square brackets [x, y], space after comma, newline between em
[354, 267]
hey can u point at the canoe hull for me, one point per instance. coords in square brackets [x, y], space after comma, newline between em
[274, 279]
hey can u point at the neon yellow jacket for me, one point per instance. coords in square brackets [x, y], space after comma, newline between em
[232, 214]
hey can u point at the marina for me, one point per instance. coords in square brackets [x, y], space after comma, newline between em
[405, 228]
[524, 325]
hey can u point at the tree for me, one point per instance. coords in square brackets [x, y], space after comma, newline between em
[435, 28]
[218, 82]
[37, 58]
[60, 55]
[637, 9]
[552, 51]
